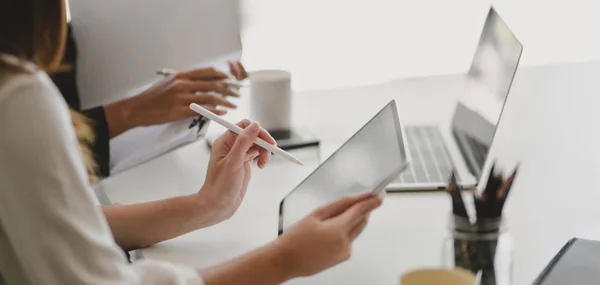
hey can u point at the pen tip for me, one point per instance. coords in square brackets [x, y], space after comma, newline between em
[297, 161]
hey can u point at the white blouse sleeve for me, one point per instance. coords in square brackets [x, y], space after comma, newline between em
[47, 212]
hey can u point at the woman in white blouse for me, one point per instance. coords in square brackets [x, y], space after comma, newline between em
[51, 228]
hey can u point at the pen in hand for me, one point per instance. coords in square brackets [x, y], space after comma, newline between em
[198, 121]
[232, 127]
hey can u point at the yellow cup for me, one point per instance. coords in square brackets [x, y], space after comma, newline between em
[438, 277]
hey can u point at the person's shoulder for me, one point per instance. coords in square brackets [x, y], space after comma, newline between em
[29, 101]
[33, 85]
[31, 98]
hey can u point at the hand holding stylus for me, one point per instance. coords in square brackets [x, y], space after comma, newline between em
[236, 129]
[229, 169]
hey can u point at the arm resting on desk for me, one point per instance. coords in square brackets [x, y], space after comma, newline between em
[262, 266]
[142, 225]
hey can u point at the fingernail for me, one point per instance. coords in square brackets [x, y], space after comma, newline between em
[253, 127]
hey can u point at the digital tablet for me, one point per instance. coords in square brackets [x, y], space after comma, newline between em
[372, 158]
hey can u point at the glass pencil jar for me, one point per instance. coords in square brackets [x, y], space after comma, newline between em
[483, 247]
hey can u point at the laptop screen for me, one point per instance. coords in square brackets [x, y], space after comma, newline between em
[487, 86]
[372, 155]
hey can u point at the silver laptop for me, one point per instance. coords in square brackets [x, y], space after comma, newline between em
[475, 118]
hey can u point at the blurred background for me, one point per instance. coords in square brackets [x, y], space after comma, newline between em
[378, 40]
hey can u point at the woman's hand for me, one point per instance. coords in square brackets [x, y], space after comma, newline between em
[169, 99]
[229, 168]
[324, 238]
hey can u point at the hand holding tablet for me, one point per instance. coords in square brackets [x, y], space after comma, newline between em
[373, 157]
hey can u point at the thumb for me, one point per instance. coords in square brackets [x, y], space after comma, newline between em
[243, 142]
[336, 208]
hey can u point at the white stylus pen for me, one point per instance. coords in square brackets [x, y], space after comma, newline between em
[234, 128]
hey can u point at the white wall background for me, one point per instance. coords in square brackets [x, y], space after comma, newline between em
[334, 43]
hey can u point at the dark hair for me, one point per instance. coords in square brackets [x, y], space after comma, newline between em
[34, 30]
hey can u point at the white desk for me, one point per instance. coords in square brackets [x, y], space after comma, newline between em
[550, 124]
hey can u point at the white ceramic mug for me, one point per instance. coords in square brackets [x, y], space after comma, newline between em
[438, 277]
[271, 99]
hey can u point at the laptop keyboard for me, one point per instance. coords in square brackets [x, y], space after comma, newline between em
[431, 161]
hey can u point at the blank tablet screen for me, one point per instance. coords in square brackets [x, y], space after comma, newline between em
[365, 161]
